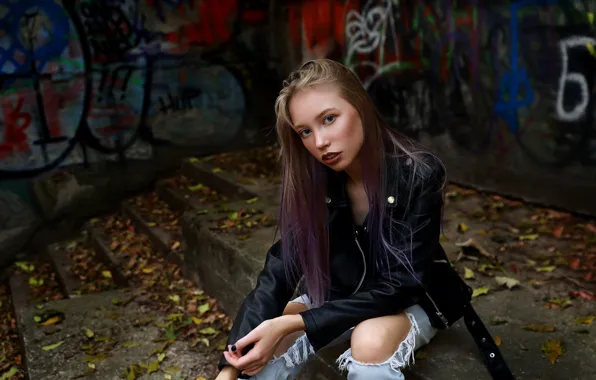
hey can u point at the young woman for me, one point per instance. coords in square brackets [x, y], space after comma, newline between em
[359, 223]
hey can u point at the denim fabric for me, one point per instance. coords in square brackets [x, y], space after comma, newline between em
[287, 366]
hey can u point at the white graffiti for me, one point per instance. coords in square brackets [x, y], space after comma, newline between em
[366, 32]
[567, 78]
[363, 31]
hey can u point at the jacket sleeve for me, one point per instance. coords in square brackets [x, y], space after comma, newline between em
[394, 291]
[266, 301]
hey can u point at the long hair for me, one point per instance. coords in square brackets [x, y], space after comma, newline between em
[303, 214]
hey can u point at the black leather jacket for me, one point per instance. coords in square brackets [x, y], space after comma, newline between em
[358, 291]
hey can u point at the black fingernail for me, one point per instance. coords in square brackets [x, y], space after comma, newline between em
[234, 348]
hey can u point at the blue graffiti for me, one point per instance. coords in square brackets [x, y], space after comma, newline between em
[516, 82]
[55, 38]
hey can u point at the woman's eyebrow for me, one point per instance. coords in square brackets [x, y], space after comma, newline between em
[319, 115]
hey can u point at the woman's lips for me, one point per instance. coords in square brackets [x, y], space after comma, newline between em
[330, 158]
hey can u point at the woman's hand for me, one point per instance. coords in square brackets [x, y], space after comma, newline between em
[266, 337]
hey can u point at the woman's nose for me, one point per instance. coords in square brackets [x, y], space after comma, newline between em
[321, 140]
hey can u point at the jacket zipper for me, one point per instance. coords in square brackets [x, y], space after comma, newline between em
[363, 261]
[437, 311]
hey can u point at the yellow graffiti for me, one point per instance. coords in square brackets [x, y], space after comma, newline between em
[591, 49]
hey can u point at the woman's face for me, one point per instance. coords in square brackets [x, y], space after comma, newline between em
[330, 127]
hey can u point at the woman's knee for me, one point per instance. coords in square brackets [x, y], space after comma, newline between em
[376, 340]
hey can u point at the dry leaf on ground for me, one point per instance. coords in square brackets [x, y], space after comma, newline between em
[539, 328]
[552, 349]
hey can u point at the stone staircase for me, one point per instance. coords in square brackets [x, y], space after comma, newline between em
[207, 229]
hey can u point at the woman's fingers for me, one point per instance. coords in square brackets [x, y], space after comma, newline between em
[235, 354]
[252, 337]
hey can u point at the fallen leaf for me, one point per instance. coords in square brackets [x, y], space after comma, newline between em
[197, 321]
[539, 328]
[106, 273]
[175, 245]
[546, 269]
[198, 187]
[529, 237]
[252, 200]
[558, 303]
[88, 332]
[51, 321]
[194, 160]
[591, 228]
[585, 320]
[483, 267]
[552, 349]
[471, 248]
[209, 331]
[50, 347]
[174, 298]
[204, 308]
[461, 228]
[480, 291]
[25, 267]
[131, 372]
[574, 263]
[9, 374]
[583, 294]
[468, 273]
[497, 340]
[558, 231]
[509, 282]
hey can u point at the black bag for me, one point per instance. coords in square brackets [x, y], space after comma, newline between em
[450, 297]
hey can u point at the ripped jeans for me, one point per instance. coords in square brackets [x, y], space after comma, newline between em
[287, 366]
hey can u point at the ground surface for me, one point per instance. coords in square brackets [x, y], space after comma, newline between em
[114, 302]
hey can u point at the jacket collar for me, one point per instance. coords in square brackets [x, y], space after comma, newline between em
[336, 185]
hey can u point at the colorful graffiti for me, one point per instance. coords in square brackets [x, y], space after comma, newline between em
[483, 73]
[84, 78]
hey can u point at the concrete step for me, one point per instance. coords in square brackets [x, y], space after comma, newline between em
[161, 239]
[62, 264]
[121, 339]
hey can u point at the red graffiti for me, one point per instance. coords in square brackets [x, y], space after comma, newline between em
[15, 128]
[214, 26]
[55, 101]
[316, 25]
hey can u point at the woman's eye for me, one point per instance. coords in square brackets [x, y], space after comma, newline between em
[304, 132]
[329, 119]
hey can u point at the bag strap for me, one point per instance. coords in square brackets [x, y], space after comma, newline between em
[494, 360]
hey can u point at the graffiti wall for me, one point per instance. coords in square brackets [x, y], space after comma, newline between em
[86, 79]
[86, 83]
[503, 91]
